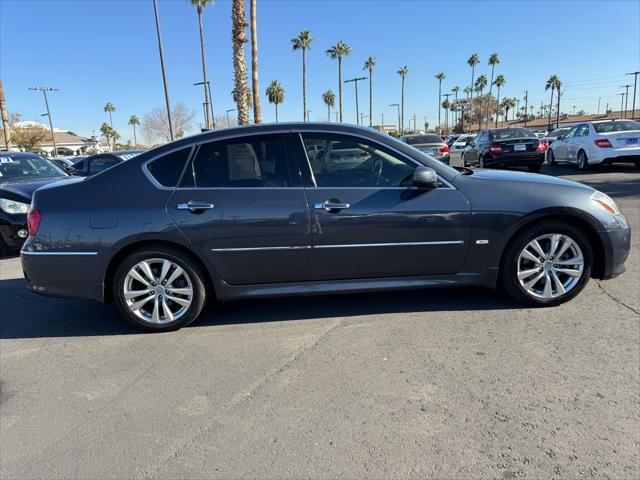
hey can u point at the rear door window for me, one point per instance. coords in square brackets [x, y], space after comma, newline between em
[100, 164]
[167, 169]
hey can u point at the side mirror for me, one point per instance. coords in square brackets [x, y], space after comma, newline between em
[425, 178]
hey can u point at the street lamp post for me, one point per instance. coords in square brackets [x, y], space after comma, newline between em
[229, 121]
[398, 106]
[621, 102]
[44, 90]
[208, 106]
[635, 82]
[355, 82]
[626, 99]
[164, 73]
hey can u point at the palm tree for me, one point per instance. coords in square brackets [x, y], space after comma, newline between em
[115, 136]
[467, 90]
[446, 106]
[106, 130]
[239, 38]
[275, 94]
[481, 83]
[499, 83]
[558, 85]
[200, 5]
[368, 65]
[255, 89]
[473, 61]
[493, 61]
[109, 107]
[329, 99]
[403, 73]
[551, 84]
[133, 121]
[440, 76]
[303, 42]
[339, 50]
[506, 105]
[454, 105]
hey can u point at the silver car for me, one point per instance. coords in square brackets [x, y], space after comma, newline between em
[429, 143]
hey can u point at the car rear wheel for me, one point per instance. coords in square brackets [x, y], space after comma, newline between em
[551, 159]
[547, 264]
[583, 161]
[159, 289]
[481, 163]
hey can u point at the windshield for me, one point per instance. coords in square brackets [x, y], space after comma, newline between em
[418, 139]
[623, 126]
[509, 133]
[27, 167]
[558, 131]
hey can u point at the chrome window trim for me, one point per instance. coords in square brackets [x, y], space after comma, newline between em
[299, 132]
[345, 245]
[24, 252]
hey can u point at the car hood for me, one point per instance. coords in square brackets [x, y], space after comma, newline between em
[513, 176]
[23, 189]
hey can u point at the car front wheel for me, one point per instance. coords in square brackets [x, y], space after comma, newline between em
[547, 264]
[159, 289]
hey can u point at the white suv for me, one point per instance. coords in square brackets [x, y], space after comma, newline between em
[594, 143]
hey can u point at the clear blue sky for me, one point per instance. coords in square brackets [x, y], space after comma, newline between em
[100, 51]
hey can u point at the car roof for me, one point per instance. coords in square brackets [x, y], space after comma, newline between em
[20, 154]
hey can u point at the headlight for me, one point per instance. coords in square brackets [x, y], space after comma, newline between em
[12, 207]
[605, 202]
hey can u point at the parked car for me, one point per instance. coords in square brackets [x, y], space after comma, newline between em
[595, 143]
[506, 147]
[97, 163]
[451, 139]
[243, 213]
[461, 143]
[429, 143]
[20, 174]
[556, 134]
[66, 162]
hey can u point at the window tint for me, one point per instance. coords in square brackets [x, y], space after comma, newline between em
[418, 139]
[583, 131]
[509, 133]
[344, 161]
[166, 170]
[100, 164]
[259, 161]
[623, 126]
[571, 133]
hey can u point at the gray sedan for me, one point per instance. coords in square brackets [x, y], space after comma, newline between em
[247, 212]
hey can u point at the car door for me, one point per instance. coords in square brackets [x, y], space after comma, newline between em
[368, 221]
[560, 149]
[471, 152]
[242, 204]
[573, 145]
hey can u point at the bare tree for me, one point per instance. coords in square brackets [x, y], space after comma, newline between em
[156, 125]
[5, 120]
[27, 136]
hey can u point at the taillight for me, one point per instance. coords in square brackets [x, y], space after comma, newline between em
[33, 221]
[495, 149]
[444, 148]
[365, 154]
[603, 143]
[542, 146]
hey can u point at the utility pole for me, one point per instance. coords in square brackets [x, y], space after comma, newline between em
[229, 121]
[208, 107]
[355, 82]
[398, 106]
[526, 106]
[44, 90]
[382, 121]
[626, 99]
[635, 82]
[164, 73]
[415, 126]
[599, 98]
[336, 113]
[621, 102]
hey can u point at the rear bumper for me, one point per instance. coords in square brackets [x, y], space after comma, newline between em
[517, 159]
[617, 244]
[63, 274]
[622, 159]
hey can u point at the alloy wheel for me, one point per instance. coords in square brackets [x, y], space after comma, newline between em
[582, 161]
[550, 266]
[158, 291]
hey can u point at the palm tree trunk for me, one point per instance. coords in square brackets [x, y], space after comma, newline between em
[276, 113]
[439, 100]
[402, 108]
[110, 119]
[257, 111]
[135, 139]
[304, 84]
[339, 86]
[558, 110]
[328, 113]
[5, 119]
[550, 105]
[207, 113]
[497, 108]
[370, 97]
[473, 71]
[239, 38]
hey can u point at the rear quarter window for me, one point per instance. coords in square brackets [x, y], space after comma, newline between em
[167, 169]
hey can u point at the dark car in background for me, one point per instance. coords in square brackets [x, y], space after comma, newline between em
[246, 212]
[21, 174]
[506, 147]
[429, 143]
[97, 163]
[67, 162]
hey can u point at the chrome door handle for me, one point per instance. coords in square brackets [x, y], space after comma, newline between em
[195, 206]
[329, 205]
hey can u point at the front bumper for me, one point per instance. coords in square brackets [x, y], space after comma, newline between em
[616, 244]
[13, 229]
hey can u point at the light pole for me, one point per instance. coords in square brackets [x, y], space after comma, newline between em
[308, 112]
[164, 73]
[635, 82]
[362, 117]
[44, 91]
[208, 106]
[382, 122]
[336, 114]
[398, 106]
[229, 121]
[621, 102]
[626, 99]
[355, 82]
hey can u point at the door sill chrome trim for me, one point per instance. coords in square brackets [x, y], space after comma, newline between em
[254, 249]
[348, 245]
[57, 253]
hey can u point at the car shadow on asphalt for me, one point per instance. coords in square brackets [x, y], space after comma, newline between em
[615, 188]
[25, 315]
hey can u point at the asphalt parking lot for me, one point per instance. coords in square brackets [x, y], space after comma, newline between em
[459, 383]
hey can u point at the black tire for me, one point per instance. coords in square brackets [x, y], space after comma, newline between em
[535, 167]
[481, 163]
[637, 163]
[4, 248]
[509, 265]
[195, 275]
[463, 161]
[551, 158]
[583, 161]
